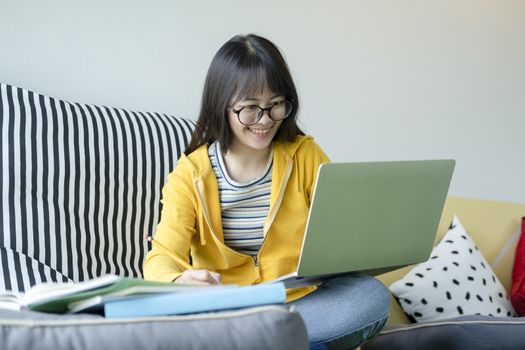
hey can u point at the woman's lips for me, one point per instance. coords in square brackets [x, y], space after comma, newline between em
[259, 131]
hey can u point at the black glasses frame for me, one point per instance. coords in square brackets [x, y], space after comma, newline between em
[262, 110]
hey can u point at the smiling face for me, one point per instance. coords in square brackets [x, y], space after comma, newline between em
[259, 136]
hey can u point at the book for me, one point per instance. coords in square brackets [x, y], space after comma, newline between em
[43, 292]
[55, 297]
[202, 300]
[95, 304]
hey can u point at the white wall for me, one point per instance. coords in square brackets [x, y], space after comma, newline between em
[379, 79]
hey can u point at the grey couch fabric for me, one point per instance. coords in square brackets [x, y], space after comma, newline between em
[268, 327]
[465, 333]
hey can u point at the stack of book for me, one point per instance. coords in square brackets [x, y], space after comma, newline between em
[118, 297]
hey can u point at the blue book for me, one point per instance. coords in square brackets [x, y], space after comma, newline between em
[207, 299]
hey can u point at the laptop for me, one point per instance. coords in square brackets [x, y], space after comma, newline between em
[371, 217]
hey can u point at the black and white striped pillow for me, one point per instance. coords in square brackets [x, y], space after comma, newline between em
[80, 186]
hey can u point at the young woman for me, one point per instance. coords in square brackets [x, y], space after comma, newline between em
[235, 207]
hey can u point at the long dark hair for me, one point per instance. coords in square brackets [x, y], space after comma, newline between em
[243, 66]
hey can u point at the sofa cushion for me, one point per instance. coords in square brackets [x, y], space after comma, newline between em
[457, 280]
[80, 185]
[466, 332]
[268, 327]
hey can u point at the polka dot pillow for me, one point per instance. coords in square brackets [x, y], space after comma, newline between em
[455, 281]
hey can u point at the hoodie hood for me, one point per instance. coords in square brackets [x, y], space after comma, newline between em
[199, 162]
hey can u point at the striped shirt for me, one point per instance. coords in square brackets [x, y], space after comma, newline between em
[244, 206]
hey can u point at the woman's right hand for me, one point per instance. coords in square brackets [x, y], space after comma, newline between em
[199, 277]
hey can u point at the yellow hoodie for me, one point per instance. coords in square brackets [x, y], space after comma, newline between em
[191, 220]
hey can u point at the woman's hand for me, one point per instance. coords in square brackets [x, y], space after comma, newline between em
[199, 277]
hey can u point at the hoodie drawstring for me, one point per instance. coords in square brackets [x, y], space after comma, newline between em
[201, 225]
[297, 177]
[200, 213]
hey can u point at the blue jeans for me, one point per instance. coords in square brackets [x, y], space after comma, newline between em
[344, 311]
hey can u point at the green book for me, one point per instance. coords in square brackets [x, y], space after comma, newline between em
[56, 297]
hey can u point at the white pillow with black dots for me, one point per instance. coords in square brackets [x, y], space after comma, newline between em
[456, 281]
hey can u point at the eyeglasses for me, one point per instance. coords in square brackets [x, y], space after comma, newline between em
[249, 115]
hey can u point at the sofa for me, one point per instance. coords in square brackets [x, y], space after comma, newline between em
[495, 228]
[80, 189]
